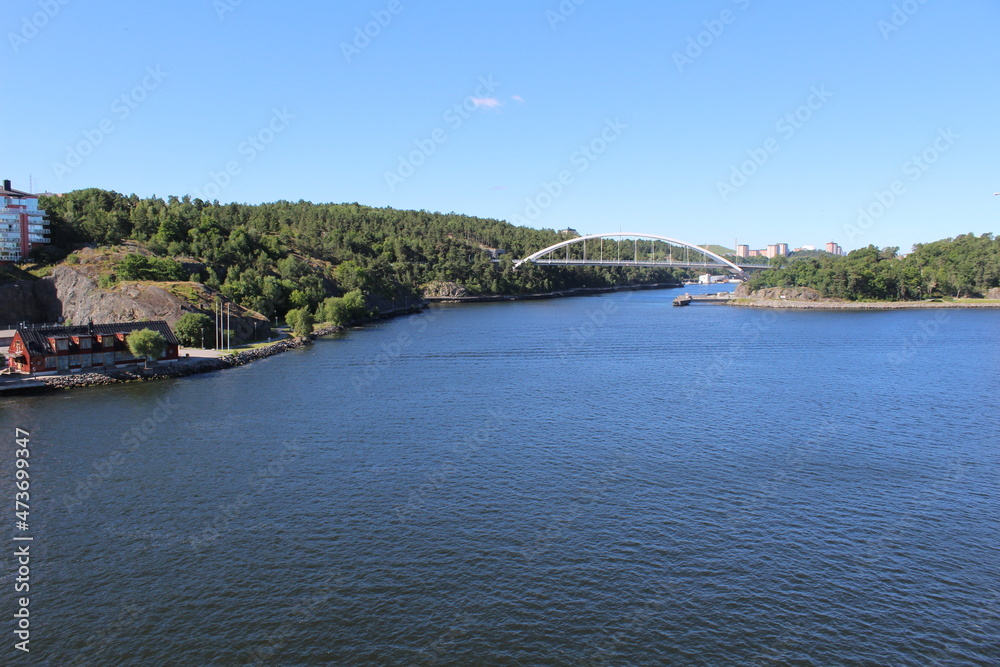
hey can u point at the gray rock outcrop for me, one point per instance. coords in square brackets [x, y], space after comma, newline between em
[29, 301]
[776, 293]
[439, 289]
[75, 296]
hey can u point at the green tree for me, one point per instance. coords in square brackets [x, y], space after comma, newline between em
[300, 320]
[351, 277]
[140, 267]
[194, 328]
[147, 344]
[343, 310]
[304, 325]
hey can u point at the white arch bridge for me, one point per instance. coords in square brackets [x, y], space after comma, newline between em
[637, 250]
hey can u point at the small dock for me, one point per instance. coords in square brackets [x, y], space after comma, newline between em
[688, 299]
[22, 387]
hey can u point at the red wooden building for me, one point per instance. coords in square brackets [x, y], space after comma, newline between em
[92, 346]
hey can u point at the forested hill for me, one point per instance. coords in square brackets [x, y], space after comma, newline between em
[964, 266]
[283, 255]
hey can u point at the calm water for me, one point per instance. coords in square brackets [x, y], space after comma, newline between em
[600, 480]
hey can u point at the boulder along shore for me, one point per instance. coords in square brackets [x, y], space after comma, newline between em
[187, 367]
[806, 298]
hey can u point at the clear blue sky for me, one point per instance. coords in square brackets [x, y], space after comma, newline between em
[670, 122]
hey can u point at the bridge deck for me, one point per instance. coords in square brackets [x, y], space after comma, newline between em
[641, 263]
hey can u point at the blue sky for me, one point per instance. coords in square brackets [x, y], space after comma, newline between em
[769, 122]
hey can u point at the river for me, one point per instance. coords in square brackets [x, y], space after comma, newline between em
[592, 480]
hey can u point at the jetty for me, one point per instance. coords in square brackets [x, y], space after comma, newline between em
[688, 299]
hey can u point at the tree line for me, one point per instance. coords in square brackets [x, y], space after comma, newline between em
[964, 266]
[284, 256]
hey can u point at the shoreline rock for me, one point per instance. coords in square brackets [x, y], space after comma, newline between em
[807, 298]
[855, 305]
[573, 291]
[184, 368]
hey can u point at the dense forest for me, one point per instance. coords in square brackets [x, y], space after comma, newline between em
[965, 266]
[280, 256]
[337, 261]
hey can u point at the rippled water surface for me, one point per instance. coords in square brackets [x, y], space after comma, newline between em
[599, 480]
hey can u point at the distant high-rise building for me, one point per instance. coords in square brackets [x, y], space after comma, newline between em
[742, 250]
[772, 251]
[22, 224]
[834, 248]
[783, 249]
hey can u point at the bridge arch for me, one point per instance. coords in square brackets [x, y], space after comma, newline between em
[717, 260]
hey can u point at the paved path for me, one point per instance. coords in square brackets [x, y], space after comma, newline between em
[197, 352]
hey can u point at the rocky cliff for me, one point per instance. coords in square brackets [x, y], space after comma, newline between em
[82, 300]
[75, 296]
[29, 301]
[441, 289]
[773, 293]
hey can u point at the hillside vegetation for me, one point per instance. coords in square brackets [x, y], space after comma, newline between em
[280, 256]
[964, 266]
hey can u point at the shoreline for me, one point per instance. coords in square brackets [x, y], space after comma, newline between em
[573, 291]
[182, 368]
[49, 383]
[791, 304]
[185, 368]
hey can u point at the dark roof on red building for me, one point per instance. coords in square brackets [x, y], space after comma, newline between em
[36, 340]
[7, 191]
